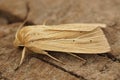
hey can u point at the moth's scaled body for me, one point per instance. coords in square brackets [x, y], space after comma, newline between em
[73, 38]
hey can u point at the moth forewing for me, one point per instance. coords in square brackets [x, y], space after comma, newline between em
[91, 42]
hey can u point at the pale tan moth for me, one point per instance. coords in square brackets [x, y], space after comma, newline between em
[70, 38]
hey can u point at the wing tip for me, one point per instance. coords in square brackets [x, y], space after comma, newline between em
[103, 25]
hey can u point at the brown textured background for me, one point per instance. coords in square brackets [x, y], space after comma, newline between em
[40, 67]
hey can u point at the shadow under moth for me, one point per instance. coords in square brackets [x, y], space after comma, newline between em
[69, 38]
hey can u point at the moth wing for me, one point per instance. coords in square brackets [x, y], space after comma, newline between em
[76, 27]
[69, 27]
[91, 42]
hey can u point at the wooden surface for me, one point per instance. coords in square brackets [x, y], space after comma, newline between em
[39, 67]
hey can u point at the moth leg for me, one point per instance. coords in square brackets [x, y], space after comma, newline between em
[23, 56]
[76, 56]
[46, 53]
[55, 58]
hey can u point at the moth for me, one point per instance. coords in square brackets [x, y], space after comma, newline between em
[70, 38]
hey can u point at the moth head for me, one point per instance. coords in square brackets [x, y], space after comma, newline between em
[17, 41]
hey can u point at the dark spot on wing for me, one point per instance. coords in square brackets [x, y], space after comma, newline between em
[34, 34]
[91, 41]
[73, 40]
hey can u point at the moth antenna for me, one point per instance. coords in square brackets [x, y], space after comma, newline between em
[54, 58]
[23, 56]
[76, 56]
[20, 28]
[25, 20]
